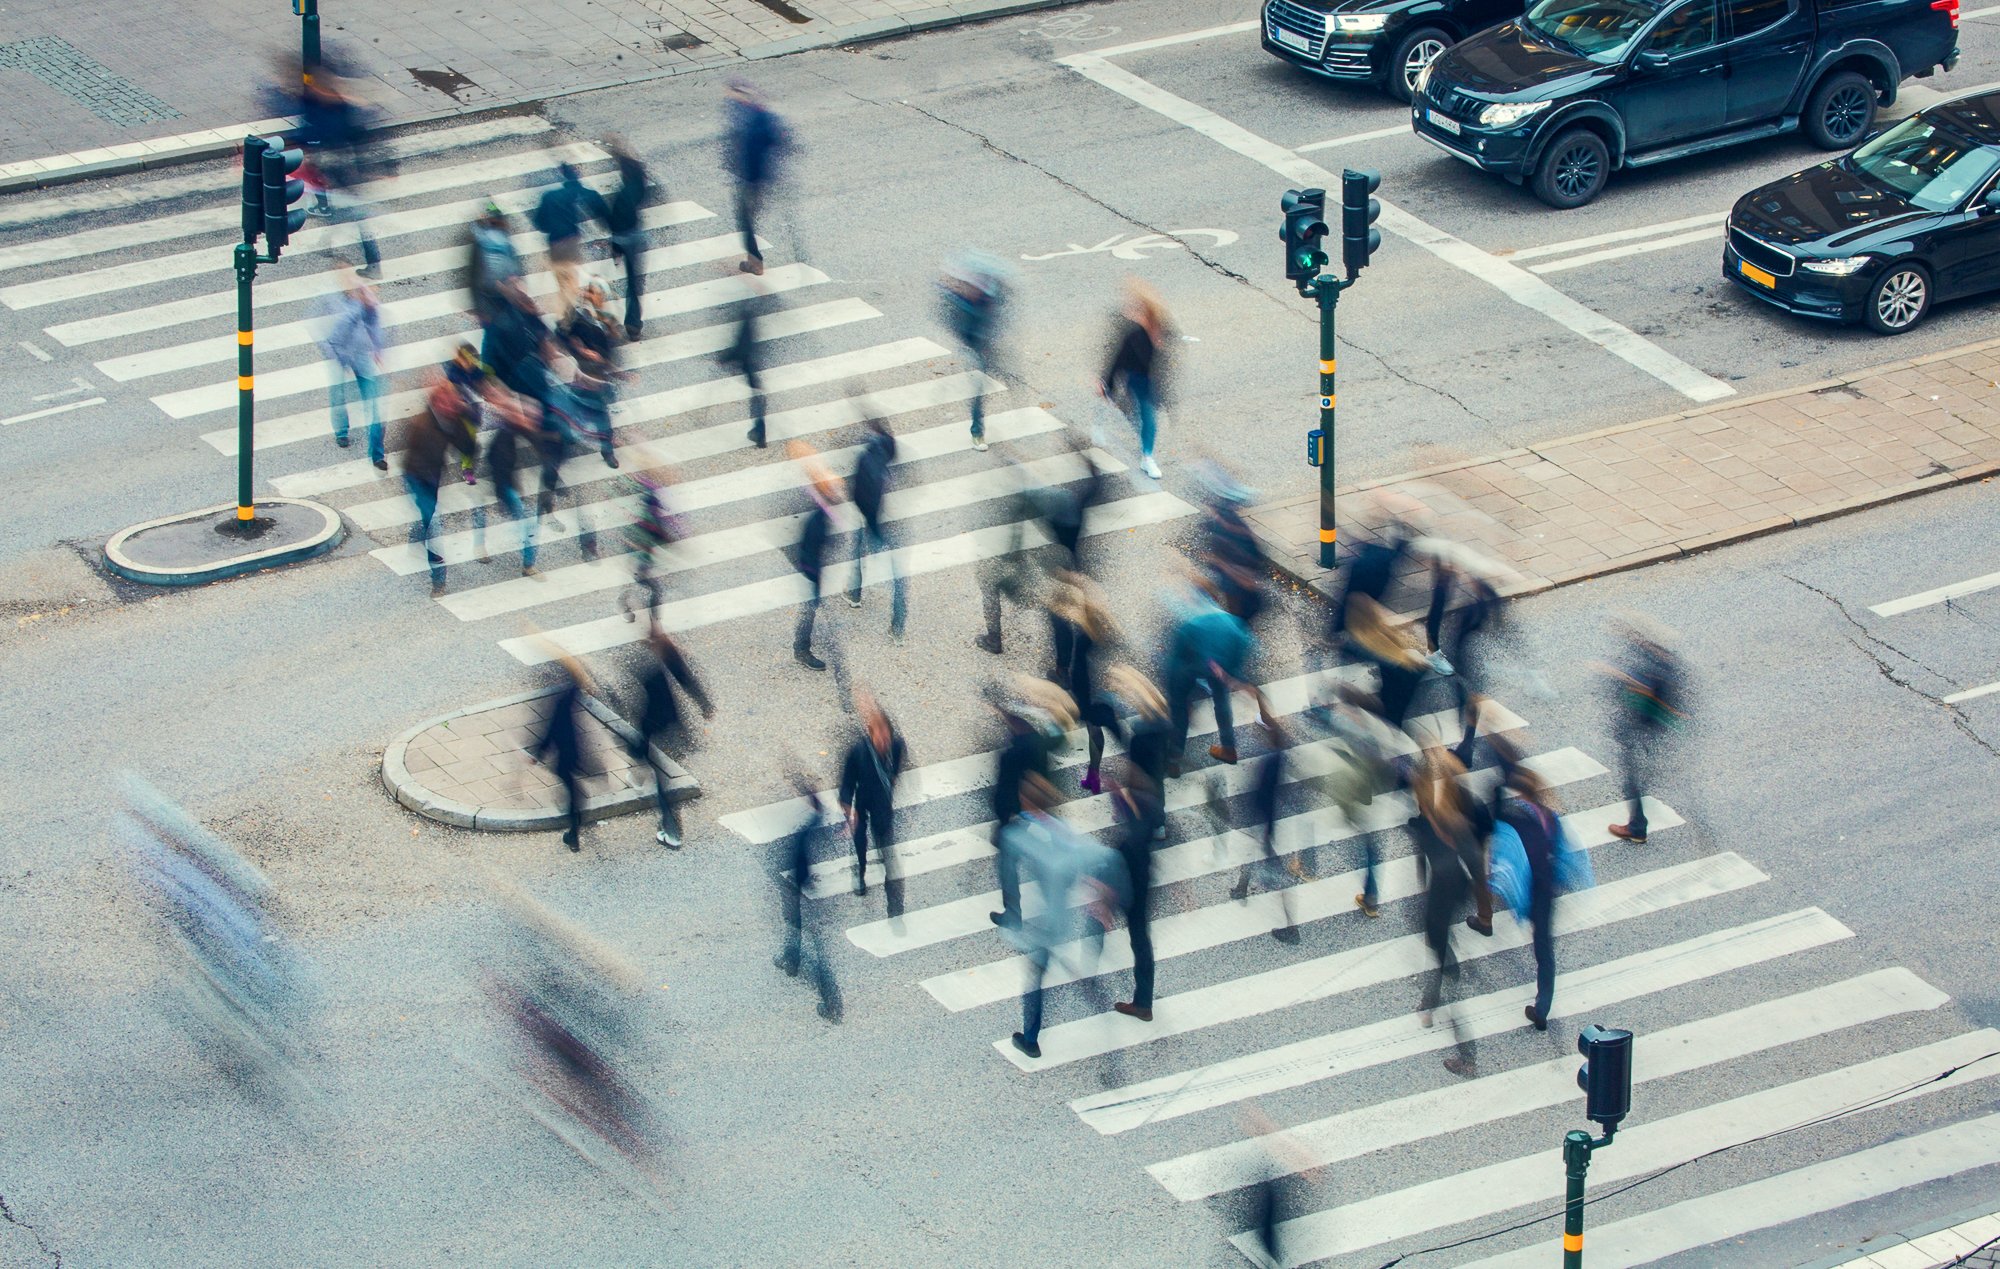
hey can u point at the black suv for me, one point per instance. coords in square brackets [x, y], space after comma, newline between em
[1576, 88]
[1387, 42]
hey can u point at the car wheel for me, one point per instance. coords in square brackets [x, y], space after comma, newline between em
[1899, 299]
[1416, 50]
[1840, 111]
[1573, 169]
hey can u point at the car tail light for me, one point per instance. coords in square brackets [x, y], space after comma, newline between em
[1949, 7]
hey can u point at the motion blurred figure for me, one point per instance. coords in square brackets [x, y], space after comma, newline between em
[436, 428]
[663, 723]
[1264, 810]
[805, 944]
[1080, 623]
[754, 139]
[1528, 807]
[491, 263]
[515, 420]
[1135, 365]
[1210, 652]
[1081, 883]
[623, 212]
[1142, 814]
[745, 353]
[337, 132]
[868, 487]
[353, 343]
[560, 216]
[1448, 833]
[1646, 683]
[1025, 752]
[868, 776]
[823, 492]
[561, 744]
[973, 284]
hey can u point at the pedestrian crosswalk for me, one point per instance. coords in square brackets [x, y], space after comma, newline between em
[150, 303]
[1307, 1064]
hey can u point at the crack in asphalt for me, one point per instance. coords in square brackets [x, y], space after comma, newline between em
[7, 1214]
[1887, 671]
[1416, 383]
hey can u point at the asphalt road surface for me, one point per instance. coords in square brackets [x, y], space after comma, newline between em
[1832, 822]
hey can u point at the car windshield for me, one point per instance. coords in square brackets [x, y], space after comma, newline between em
[1600, 30]
[1931, 167]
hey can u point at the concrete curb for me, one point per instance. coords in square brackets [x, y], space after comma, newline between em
[1300, 565]
[412, 793]
[192, 147]
[325, 539]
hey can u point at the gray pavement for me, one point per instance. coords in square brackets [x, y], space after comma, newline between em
[1823, 754]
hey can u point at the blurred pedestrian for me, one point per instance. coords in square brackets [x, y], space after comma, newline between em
[1008, 576]
[1366, 763]
[1080, 624]
[805, 944]
[1647, 686]
[823, 493]
[868, 487]
[1229, 550]
[1264, 814]
[1139, 801]
[868, 778]
[515, 420]
[653, 530]
[1210, 652]
[1461, 639]
[561, 744]
[973, 284]
[1081, 883]
[560, 216]
[1528, 807]
[754, 140]
[436, 428]
[663, 729]
[1025, 751]
[746, 351]
[353, 343]
[1136, 364]
[623, 222]
[589, 339]
[336, 131]
[1063, 507]
[491, 262]
[1447, 831]
[516, 343]
[1394, 650]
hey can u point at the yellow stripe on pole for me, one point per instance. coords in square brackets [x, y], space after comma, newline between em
[1327, 367]
[244, 382]
[1572, 1242]
[246, 513]
[1329, 535]
[242, 336]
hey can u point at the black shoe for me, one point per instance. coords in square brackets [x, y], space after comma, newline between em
[805, 657]
[860, 884]
[569, 840]
[1287, 934]
[633, 330]
[988, 642]
[830, 1012]
[381, 464]
[1541, 1020]
[1027, 1046]
[787, 964]
[1478, 926]
[1240, 891]
[1462, 1067]
[1005, 920]
[611, 461]
[1131, 1010]
[756, 437]
[342, 441]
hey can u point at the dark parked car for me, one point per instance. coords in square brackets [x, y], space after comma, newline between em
[1578, 88]
[1386, 42]
[1911, 218]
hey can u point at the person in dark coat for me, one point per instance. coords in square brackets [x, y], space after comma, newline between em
[561, 745]
[516, 420]
[1134, 365]
[438, 427]
[1141, 813]
[754, 139]
[805, 945]
[825, 493]
[1448, 829]
[622, 222]
[1529, 809]
[867, 488]
[1080, 625]
[662, 724]
[868, 777]
[972, 287]
[1264, 813]
[1647, 686]
[560, 216]
[1023, 753]
[745, 353]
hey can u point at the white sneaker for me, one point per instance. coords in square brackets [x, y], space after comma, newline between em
[979, 445]
[1149, 467]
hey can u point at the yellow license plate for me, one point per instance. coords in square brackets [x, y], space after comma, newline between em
[1759, 276]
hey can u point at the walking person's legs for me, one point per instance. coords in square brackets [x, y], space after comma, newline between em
[426, 498]
[336, 398]
[370, 388]
[860, 837]
[1147, 409]
[1634, 742]
[1029, 1038]
[1541, 917]
[748, 197]
[670, 816]
[630, 248]
[892, 874]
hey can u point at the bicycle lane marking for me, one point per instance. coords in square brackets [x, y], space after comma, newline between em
[1514, 282]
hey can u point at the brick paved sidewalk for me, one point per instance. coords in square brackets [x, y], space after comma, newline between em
[473, 768]
[1656, 490]
[81, 77]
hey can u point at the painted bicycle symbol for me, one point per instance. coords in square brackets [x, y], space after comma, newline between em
[1070, 26]
[1121, 247]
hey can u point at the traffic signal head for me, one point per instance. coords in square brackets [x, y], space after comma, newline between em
[1606, 1074]
[280, 193]
[1358, 210]
[253, 187]
[1305, 225]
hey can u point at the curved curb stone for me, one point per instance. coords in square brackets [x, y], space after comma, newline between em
[410, 790]
[123, 556]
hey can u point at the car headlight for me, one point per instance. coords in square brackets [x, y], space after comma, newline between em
[1838, 268]
[1423, 79]
[1360, 22]
[1502, 114]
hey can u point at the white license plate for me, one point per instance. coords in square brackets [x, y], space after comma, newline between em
[1292, 39]
[1444, 122]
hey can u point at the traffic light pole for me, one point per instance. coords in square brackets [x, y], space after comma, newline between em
[308, 11]
[1327, 292]
[1577, 1145]
[246, 405]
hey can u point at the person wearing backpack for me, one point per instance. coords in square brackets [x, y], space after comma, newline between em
[1647, 690]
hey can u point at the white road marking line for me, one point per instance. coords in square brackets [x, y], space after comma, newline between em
[108, 197]
[1579, 992]
[1615, 235]
[1186, 860]
[717, 438]
[1400, 130]
[1978, 13]
[973, 842]
[1810, 1191]
[1168, 41]
[1630, 249]
[1515, 283]
[1289, 986]
[748, 482]
[314, 237]
[425, 353]
[1938, 595]
[1500, 1187]
[1972, 693]
[78, 388]
[313, 425]
[1218, 925]
[35, 352]
[744, 540]
[786, 592]
[416, 308]
[54, 409]
[1456, 1107]
[293, 288]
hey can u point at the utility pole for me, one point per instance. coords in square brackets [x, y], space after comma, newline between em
[1606, 1081]
[308, 11]
[268, 197]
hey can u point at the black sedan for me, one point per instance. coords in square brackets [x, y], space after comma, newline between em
[1909, 219]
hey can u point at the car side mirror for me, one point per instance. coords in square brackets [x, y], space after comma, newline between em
[1992, 200]
[1652, 60]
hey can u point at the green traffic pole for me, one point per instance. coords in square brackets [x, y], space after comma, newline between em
[309, 36]
[1576, 1154]
[246, 269]
[1328, 293]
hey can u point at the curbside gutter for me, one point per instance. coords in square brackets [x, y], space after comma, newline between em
[192, 147]
[407, 789]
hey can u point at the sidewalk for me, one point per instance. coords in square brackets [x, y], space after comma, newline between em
[160, 85]
[1637, 494]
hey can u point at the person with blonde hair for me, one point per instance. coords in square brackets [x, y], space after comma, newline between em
[1080, 623]
[825, 492]
[1135, 358]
